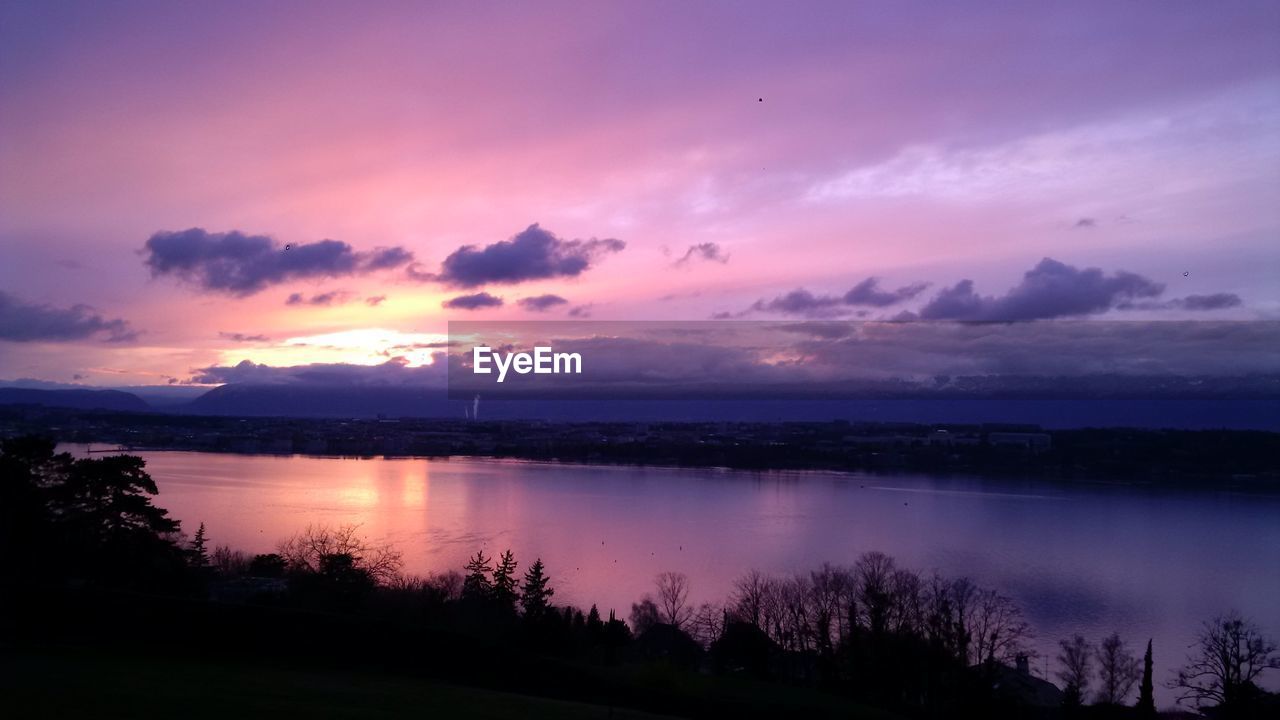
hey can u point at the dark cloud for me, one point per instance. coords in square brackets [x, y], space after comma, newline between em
[1086, 222]
[580, 311]
[27, 322]
[868, 293]
[1049, 290]
[704, 251]
[333, 297]
[240, 264]
[798, 302]
[375, 301]
[242, 337]
[1216, 301]
[802, 302]
[534, 254]
[473, 302]
[541, 303]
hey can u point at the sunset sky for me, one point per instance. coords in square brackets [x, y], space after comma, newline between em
[186, 186]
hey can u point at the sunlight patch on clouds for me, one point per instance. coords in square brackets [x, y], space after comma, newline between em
[363, 346]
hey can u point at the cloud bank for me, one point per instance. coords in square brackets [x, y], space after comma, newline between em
[1051, 289]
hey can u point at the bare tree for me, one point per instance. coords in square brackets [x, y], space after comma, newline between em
[874, 572]
[229, 563]
[1231, 653]
[673, 598]
[1076, 659]
[995, 628]
[1118, 671]
[308, 550]
[830, 592]
[748, 599]
[707, 624]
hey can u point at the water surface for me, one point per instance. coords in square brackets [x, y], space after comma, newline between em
[1078, 558]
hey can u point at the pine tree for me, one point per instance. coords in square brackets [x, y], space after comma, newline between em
[535, 593]
[504, 580]
[199, 553]
[476, 585]
[1146, 694]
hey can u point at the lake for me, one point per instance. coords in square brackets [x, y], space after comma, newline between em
[1082, 558]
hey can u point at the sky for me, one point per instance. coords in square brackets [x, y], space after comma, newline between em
[186, 187]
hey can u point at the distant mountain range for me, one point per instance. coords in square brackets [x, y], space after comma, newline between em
[1099, 402]
[77, 399]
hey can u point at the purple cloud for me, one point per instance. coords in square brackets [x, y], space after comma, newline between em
[533, 254]
[708, 251]
[541, 303]
[241, 265]
[477, 301]
[27, 322]
[1049, 290]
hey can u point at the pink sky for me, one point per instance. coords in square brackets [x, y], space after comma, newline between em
[815, 145]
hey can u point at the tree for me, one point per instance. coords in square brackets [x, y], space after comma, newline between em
[749, 596]
[1231, 653]
[1146, 691]
[1117, 670]
[199, 555]
[535, 593]
[504, 580]
[673, 598]
[309, 551]
[90, 519]
[476, 585]
[995, 627]
[644, 615]
[1076, 661]
[595, 626]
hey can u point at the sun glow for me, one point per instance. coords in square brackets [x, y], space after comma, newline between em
[363, 346]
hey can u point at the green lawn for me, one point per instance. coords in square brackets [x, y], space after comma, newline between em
[77, 683]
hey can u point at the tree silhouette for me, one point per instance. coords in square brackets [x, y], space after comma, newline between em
[1076, 660]
[644, 615]
[476, 585]
[308, 551]
[536, 592]
[504, 580]
[1117, 670]
[673, 598]
[199, 554]
[1146, 692]
[1231, 653]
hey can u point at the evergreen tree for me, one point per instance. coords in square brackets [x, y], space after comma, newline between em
[1146, 694]
[504, 580]
[535, 593]
[476, 585]
[199, 553]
